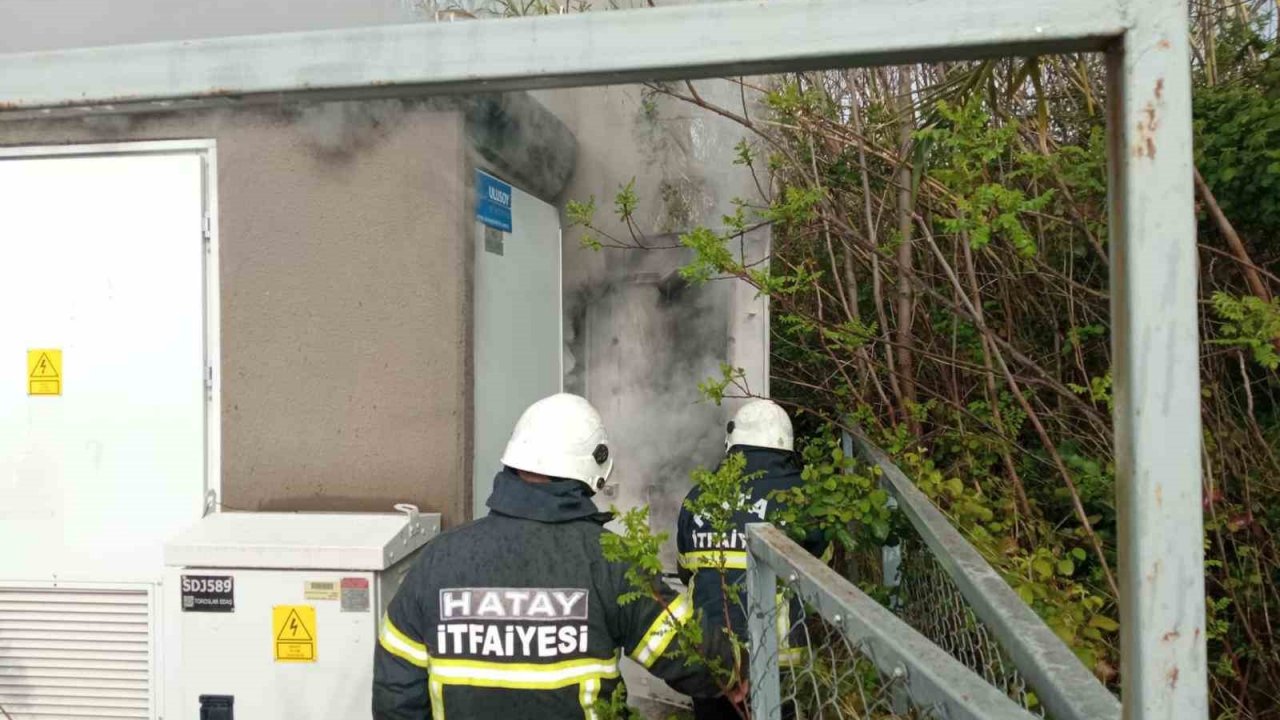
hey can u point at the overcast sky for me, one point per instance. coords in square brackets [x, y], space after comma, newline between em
[27, 25]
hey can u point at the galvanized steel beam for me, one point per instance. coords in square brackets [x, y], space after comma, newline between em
[690, 41]
[762, 587]
[934, 680]
[1156, 370]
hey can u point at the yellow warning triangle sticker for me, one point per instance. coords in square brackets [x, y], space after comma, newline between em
[44, 368]
[293, 629]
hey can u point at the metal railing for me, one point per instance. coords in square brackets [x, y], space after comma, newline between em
[928, 600]
[912, 673]
[977, 616]
[958, 642]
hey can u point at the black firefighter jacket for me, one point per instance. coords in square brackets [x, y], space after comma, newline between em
[516, 615]
[703, 560]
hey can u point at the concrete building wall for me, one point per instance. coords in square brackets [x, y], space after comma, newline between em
[638, 341]
[344, 236]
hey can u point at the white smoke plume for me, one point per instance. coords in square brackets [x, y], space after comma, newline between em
[640, 340]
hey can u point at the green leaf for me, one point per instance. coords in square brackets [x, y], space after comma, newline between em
[880, 529]
[1104, 623]
[626, 201]
[1066, 567]
[581, 213]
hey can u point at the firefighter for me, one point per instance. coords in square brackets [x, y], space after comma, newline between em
[761, 431]
[516, 615]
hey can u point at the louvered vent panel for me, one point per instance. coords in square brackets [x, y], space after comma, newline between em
[75, 654]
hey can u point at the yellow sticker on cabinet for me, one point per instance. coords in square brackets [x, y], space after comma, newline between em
[44, 372]
[294, 630]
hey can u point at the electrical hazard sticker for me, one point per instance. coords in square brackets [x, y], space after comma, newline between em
[294, 630]
[44, 372]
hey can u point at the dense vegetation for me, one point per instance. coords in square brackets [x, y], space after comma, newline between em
[940, 280]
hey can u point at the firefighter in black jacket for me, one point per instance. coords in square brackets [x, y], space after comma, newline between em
[516, 615]
[762, 432]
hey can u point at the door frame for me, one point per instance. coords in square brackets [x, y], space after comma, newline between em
[206, 150]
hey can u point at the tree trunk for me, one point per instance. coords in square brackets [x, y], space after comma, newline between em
[906, 293]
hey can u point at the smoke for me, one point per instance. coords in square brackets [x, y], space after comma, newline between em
[337, 131]
[639, 340]
[512, 133]
[108, 125]
[522, 140]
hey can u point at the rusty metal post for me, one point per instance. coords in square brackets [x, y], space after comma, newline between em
[1157, 370]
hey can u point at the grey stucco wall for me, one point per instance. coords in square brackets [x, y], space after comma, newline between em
[344, 300]
[637, 341]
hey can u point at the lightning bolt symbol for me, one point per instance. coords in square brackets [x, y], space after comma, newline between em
[293, 626]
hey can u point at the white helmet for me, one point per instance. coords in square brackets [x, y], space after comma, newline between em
[760, 423]
[561, 436]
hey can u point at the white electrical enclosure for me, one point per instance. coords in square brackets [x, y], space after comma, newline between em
[280, 611]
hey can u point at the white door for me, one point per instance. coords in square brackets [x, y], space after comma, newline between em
[104, 261]
[519, 352]
[101, 257]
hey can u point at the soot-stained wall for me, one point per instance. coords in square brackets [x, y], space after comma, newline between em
[637, 339]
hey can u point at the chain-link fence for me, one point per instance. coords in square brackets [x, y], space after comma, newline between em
[825, 674]
[951, 594]
[928, 600]
[951, 639]
[821, 648]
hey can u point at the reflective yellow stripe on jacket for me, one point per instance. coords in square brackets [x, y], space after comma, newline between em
[588, 692]
[658, 637]
[587, 673]
[399, 644]
[521, 676]
[714, 560]
[787, 656]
